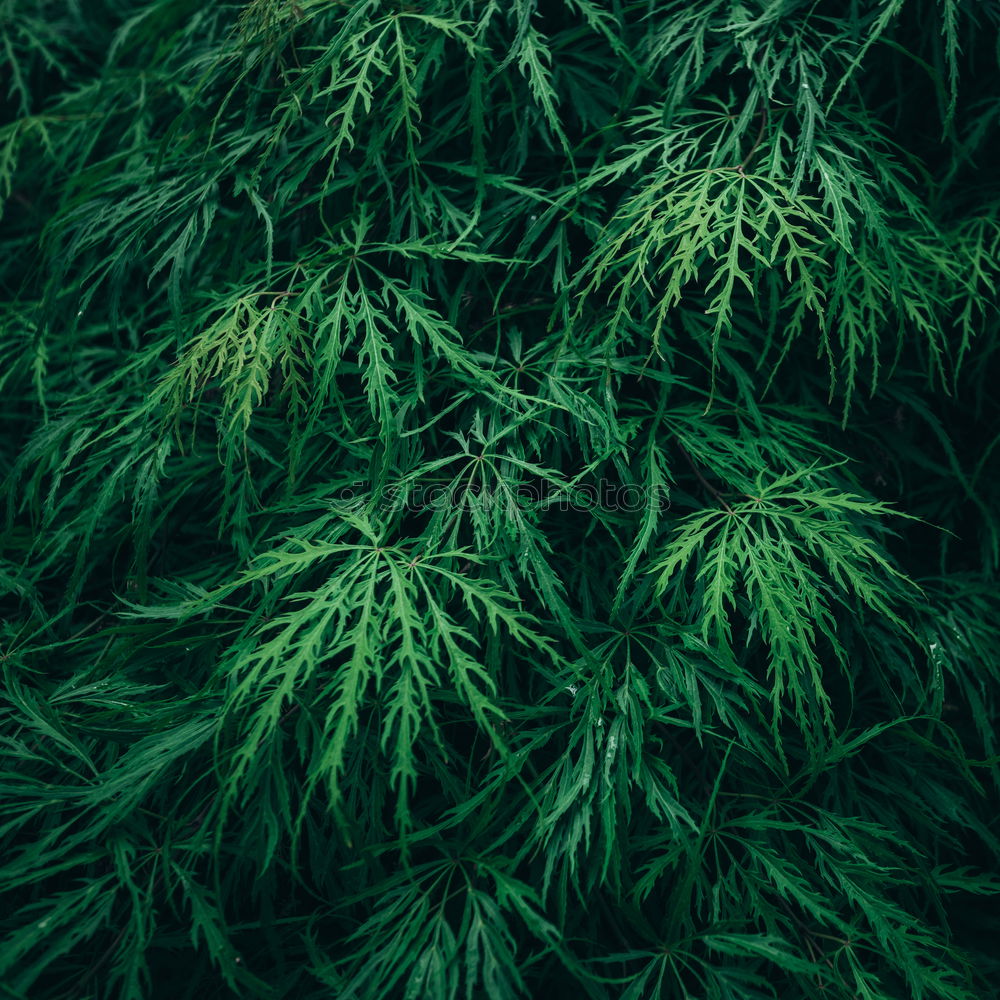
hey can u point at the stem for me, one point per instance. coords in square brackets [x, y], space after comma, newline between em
[756, 145]
[704, 482]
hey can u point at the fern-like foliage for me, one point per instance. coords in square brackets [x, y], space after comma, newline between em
[499, 499]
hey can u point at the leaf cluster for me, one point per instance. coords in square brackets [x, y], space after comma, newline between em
[499, 499]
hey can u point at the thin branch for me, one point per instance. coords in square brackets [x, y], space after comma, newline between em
[701, 479]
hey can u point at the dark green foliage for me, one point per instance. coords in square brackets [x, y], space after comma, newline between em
[501, 499]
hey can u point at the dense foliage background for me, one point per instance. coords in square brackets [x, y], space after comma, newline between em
[501, 499]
